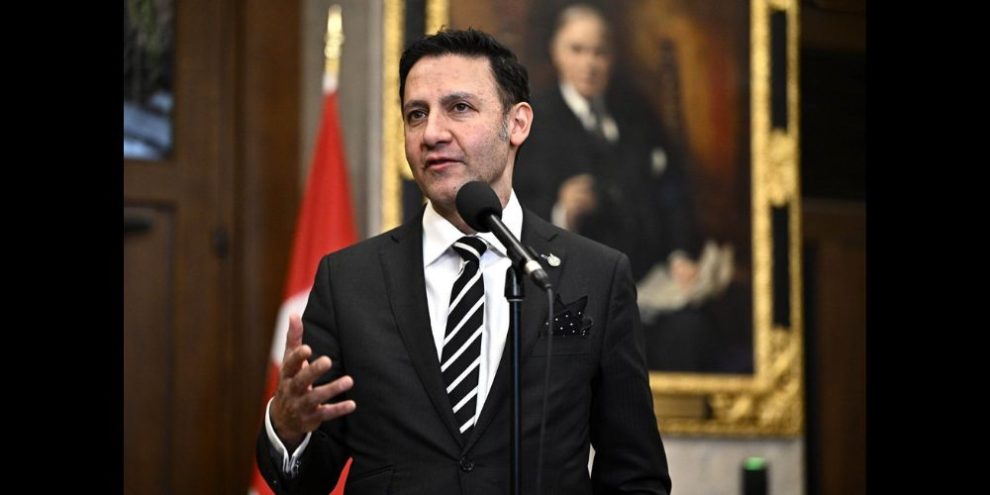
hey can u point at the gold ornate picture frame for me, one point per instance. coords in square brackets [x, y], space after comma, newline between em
[736, 106]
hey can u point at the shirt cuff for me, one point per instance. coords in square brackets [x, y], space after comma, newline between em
[558, 216]
[290, 464]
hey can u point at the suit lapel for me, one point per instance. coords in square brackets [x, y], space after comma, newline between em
[402, 261]
[534, 308]
[539, 235]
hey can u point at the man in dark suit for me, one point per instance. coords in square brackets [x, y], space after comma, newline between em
[406, 330]
[599, 164]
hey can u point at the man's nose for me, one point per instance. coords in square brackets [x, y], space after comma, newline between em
[436, 131]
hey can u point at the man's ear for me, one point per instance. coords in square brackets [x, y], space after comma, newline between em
[520, 122]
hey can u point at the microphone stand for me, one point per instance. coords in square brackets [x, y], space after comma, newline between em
[514, 294]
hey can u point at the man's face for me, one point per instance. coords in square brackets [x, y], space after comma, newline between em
[455, 128]
[582, 56]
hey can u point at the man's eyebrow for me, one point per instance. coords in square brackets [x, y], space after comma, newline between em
[456, 96]
[445, 100]
[409, 105]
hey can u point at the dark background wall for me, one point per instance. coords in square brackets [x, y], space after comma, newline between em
[833, 187]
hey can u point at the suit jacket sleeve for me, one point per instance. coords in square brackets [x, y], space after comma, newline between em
[629, 455]
[325, 456]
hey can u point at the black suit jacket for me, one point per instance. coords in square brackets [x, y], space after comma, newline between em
[368, 312]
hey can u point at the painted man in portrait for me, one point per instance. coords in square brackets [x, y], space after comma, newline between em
[599, 163]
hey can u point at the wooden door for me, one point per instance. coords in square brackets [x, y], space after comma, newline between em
[177, 273]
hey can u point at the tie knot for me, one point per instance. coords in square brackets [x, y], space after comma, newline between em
[470, 248]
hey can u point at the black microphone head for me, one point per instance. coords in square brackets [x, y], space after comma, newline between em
[475, 201]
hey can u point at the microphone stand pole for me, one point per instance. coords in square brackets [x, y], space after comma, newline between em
[514, 294]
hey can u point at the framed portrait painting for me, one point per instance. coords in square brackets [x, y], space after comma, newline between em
[666, 129]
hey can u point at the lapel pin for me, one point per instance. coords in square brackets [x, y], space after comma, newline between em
[552, 259]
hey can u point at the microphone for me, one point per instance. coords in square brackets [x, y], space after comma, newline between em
[480, 208]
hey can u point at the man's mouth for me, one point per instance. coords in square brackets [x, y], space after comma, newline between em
[440, 162]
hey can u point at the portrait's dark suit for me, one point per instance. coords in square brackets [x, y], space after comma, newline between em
[368, 312]
[643, 210]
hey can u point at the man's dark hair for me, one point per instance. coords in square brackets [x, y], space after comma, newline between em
[511, 77]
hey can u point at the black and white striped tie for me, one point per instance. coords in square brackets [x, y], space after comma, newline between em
[461, 357]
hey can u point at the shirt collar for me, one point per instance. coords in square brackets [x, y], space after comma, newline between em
[577, 103]
[439, 234]
[581, 107]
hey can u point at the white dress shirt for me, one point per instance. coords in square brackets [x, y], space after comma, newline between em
[441, 267]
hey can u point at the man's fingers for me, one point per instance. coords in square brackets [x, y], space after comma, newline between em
[309, 373]
[295, 353]
[326, 412]
[577, 194]
[330, 390]
[298, 376]
[293, 338]
[310, 407]
[294, 361]
[581, 179]
[585, 198]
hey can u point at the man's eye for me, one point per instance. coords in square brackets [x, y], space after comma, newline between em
[461, 107]
[415, 115]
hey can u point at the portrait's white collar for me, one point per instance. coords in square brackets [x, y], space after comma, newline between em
[577, 103]
[581, 107]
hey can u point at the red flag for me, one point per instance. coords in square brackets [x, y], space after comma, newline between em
[325, 224]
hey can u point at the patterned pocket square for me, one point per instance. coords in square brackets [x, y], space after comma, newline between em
[569, 319]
